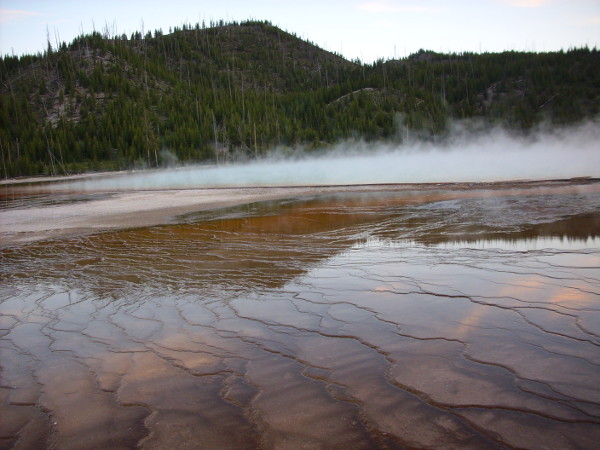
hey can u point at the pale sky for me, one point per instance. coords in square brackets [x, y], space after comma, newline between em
[365, 29]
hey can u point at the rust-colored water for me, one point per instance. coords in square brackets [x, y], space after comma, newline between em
[351, 321]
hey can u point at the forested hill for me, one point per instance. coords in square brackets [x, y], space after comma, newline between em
[235, 90]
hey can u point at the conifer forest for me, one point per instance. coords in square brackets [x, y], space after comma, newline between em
[223, 92]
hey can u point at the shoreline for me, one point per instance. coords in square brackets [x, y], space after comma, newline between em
[114, 210]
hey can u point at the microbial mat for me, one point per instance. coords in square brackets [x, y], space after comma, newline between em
[437, 317]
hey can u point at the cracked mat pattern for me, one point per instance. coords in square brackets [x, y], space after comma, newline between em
[350, 322]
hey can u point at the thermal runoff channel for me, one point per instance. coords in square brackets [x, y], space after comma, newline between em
[429, 317]
[464, 157]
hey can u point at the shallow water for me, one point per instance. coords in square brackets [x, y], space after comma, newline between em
[379, 320]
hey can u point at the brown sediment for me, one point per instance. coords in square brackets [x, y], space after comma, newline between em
[71, 214]
[384, 318]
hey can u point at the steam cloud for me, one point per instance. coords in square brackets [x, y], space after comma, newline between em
[466, 156]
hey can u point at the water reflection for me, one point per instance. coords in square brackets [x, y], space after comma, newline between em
[348, 321]
[527, 244]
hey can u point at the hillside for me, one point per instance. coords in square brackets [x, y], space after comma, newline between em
[231, 91]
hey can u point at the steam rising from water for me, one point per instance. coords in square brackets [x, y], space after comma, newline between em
[465, 157]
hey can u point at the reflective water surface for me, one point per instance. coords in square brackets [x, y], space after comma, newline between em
[379, 320]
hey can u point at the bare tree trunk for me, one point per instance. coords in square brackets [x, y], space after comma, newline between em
[3, 160]
[255, 146]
